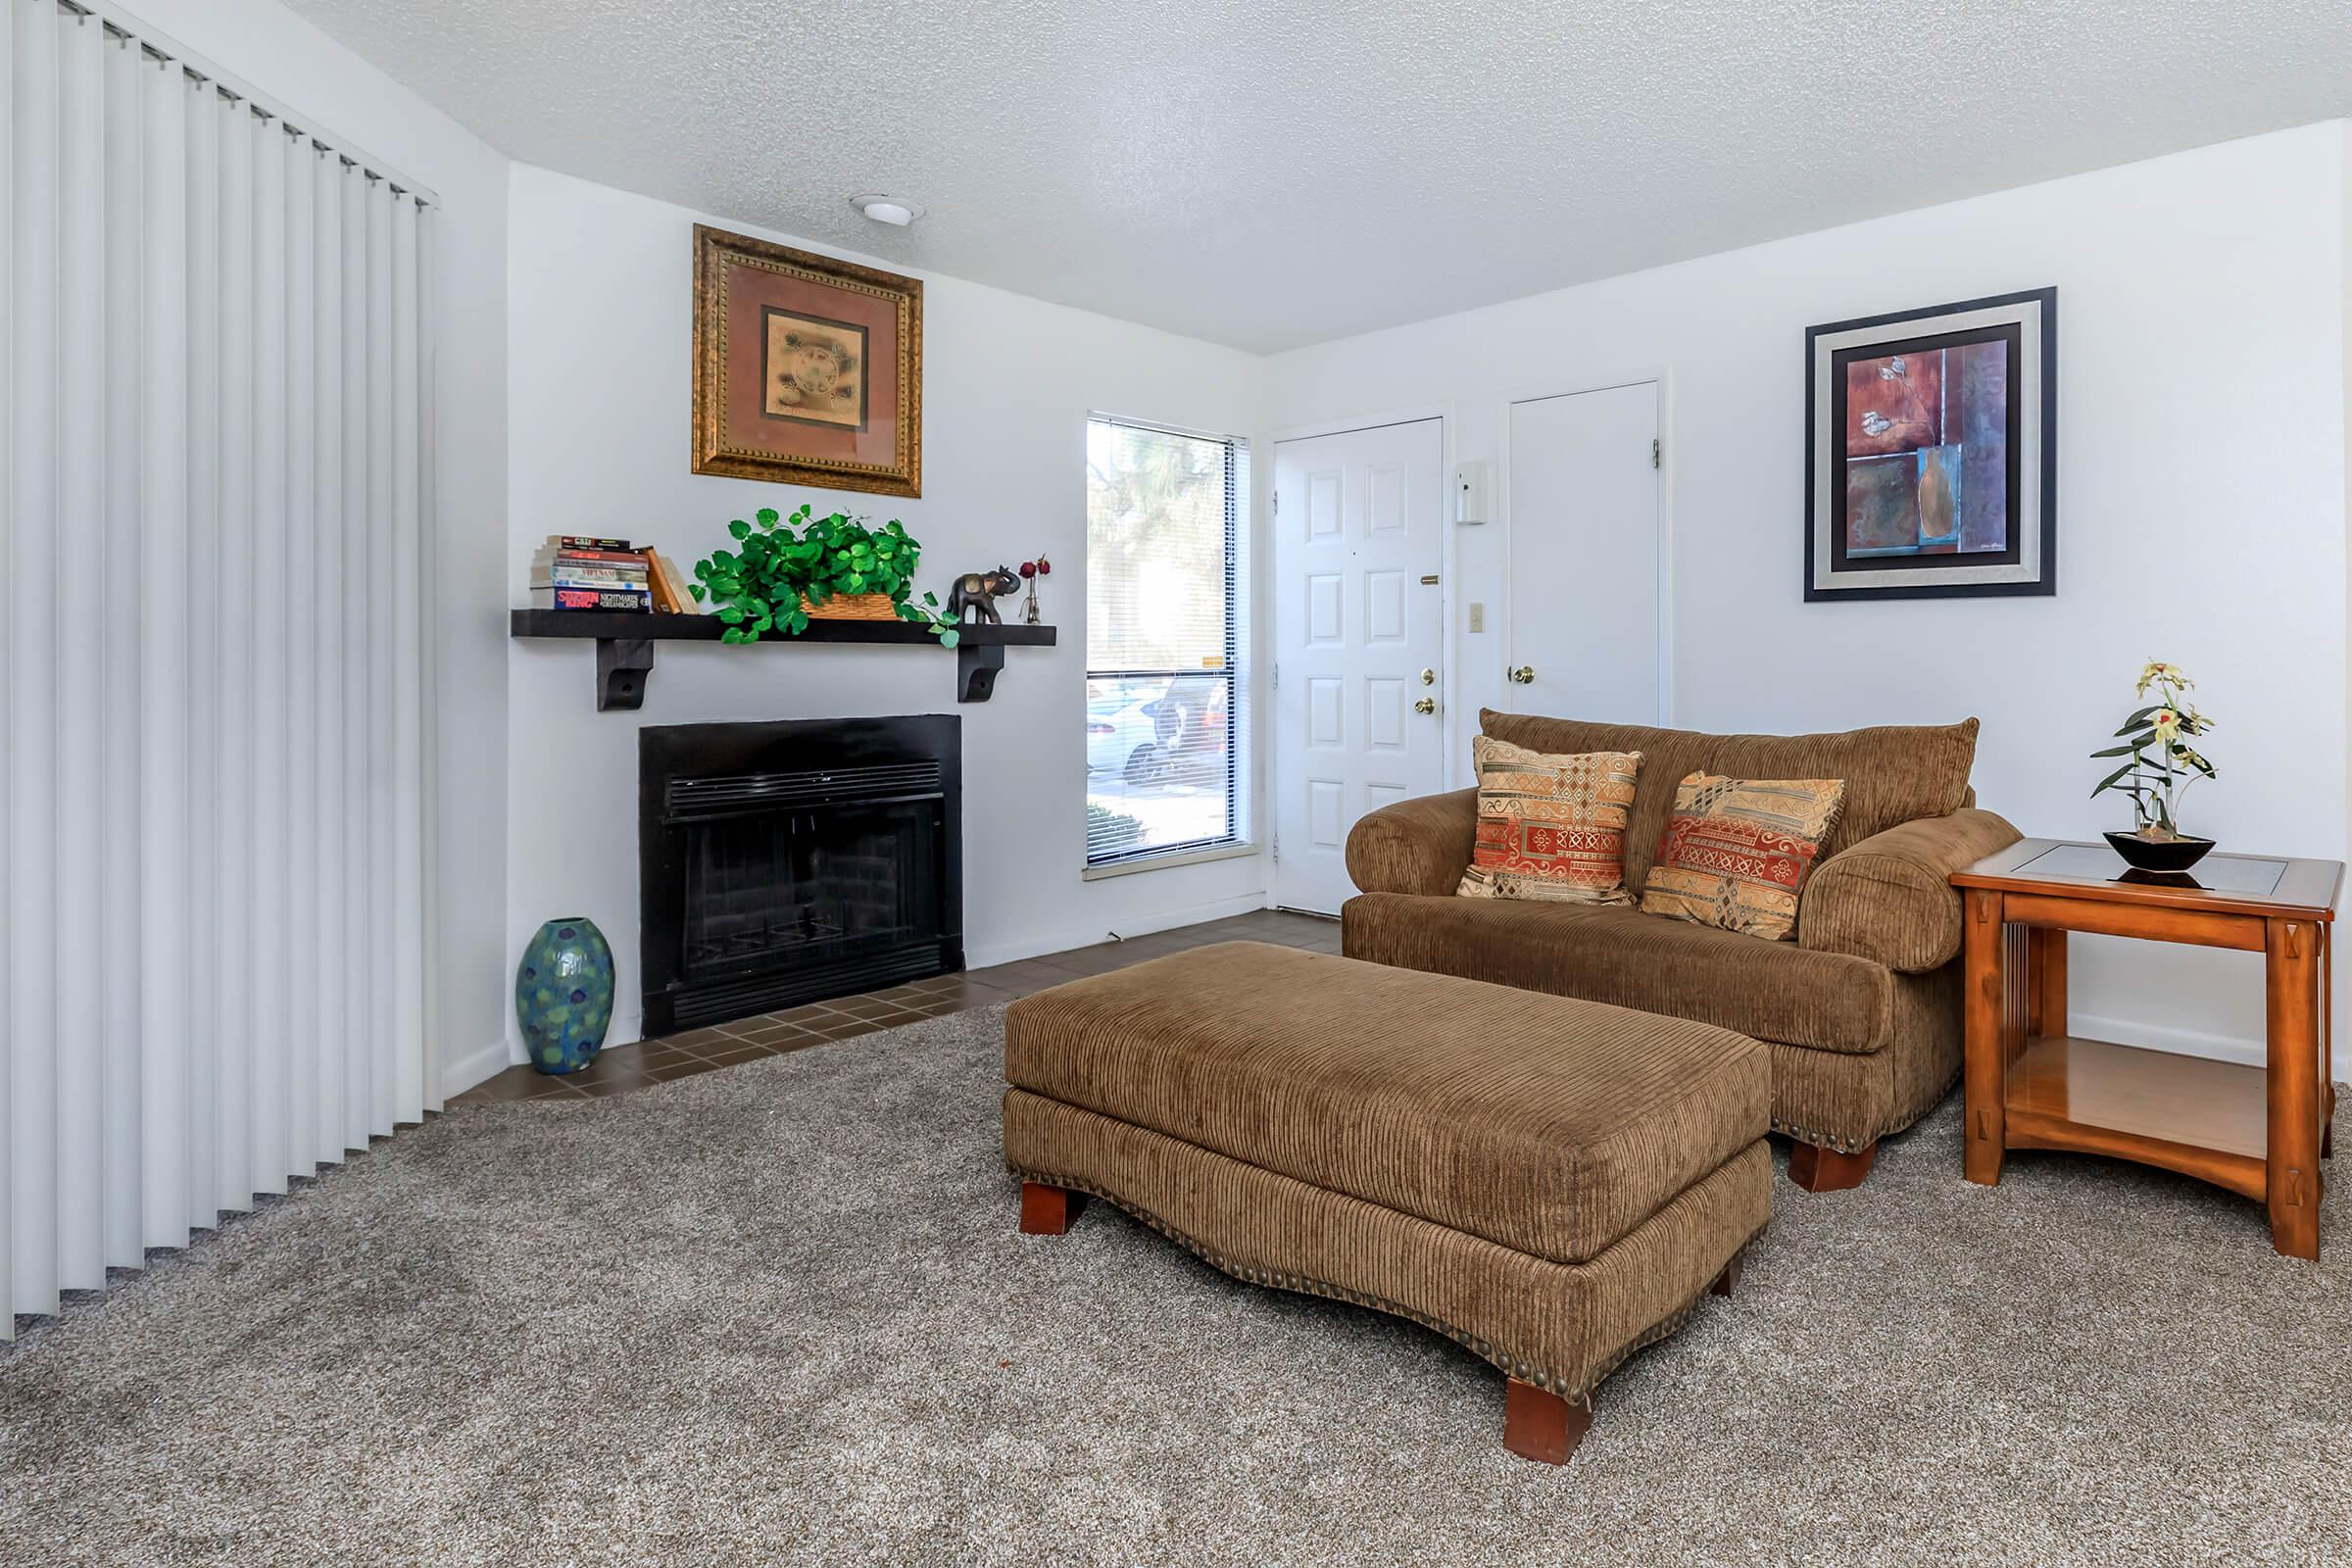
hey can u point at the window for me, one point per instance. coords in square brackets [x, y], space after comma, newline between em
[1165, 602]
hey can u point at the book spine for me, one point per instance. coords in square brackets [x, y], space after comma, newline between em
[575, 541]
[606, 562]
[681, 587]
[665, 602]
[606, 557]
[561, 575]
[587, 599]
[666, 576]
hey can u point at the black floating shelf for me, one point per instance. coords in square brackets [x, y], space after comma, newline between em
[624, 645]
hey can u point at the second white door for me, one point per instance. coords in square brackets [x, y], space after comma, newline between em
[1586, 575]
[1360, 634]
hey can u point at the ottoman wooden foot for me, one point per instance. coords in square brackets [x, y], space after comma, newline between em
[1540, 1425]
[1825, 1170]
[1729, 1280]
[1046, 1210]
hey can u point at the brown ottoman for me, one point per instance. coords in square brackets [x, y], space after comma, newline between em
[1553, 1183]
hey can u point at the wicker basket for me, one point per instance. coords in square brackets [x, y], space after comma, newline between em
[853, 606]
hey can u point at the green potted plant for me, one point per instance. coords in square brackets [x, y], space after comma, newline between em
[791, 570]
[2160, 767]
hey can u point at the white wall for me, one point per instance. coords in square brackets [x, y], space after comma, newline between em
[2202, 497]
[600, 328]
[2203, 493]
[285, 57]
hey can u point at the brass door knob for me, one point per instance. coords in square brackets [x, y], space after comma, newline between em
[1427, 705]
[1522, 675]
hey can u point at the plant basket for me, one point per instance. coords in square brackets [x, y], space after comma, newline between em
[853, 606]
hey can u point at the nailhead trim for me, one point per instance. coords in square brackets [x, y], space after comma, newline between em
[1848, 1146]
[1306, 1285]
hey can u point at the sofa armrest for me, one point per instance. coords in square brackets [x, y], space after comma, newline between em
[1890, 898]
[1416, 845]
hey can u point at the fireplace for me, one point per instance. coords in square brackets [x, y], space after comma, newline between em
[785, 863]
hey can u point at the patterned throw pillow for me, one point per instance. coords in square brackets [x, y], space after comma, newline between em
[1737, 851]
[1550, 827]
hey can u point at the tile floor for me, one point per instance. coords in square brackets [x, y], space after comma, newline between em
[625, 1067]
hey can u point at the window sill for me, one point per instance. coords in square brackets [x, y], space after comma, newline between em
[1154, 863]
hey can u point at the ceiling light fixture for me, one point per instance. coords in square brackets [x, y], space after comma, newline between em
[892, 209]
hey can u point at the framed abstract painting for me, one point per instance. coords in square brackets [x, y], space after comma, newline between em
[806, 370]
[1932, 452]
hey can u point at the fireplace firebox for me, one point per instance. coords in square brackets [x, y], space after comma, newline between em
[789, 861]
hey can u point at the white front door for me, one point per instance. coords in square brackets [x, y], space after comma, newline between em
[1360, 634]
[1586, 575]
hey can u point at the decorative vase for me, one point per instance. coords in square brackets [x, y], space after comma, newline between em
[564, 994]
[853, 606]
[2159, 854]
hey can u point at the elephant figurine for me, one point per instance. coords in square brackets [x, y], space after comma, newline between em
[979, 591]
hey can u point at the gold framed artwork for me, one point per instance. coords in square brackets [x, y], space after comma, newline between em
[807, 370]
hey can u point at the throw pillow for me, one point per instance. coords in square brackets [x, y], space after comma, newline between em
[1737, 851]
[1549, 827]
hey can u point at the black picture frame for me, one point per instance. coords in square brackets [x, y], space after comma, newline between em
[2028, 565]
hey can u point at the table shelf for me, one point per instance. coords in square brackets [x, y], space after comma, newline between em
[2191, 1114]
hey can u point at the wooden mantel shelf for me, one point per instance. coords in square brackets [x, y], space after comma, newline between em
[624, 645]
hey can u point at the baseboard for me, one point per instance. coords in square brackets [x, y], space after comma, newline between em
[625, 1029]
[463, 1074]
[988, 956]
[2184, 1042]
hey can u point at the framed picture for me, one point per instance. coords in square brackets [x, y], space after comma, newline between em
[807, 370]
[1932, 452]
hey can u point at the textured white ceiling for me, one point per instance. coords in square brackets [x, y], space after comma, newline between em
[1267, 174]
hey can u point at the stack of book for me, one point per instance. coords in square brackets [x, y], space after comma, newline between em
[573, 572]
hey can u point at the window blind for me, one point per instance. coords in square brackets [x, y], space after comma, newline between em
[1166, 606]
[214, 512]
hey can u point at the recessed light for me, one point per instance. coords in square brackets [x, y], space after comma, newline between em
[895, 210]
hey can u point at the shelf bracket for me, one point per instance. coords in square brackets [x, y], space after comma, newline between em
[621, 666]
[976, 672]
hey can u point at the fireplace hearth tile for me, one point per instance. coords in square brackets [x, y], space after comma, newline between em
[694, 1039]
[760, 1032]
[697, 1050]
[849, 1028]
[865, 1006]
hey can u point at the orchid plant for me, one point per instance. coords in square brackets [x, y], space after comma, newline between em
[2161, 764]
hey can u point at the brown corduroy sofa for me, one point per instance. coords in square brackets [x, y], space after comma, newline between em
[1861, 1009]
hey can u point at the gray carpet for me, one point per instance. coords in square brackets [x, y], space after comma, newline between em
[780, 1313]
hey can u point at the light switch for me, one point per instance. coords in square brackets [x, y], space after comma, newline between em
[1478, 617]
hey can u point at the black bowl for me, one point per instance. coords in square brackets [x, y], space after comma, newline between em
[2149, 854]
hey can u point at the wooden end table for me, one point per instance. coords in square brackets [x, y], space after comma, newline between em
[2257, 1130]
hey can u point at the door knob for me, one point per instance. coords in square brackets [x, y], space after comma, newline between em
[1524, 674]
[1427, 705]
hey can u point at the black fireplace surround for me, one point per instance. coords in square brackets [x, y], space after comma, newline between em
[789, 861]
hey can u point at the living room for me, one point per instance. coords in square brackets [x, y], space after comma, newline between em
[1465, 740]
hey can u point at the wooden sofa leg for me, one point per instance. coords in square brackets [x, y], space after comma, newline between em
[1825, 1170]
[1538, 1424]
[1046, 1210]
[1729, 1280]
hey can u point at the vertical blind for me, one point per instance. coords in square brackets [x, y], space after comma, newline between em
[1167, 600]
[216, 513]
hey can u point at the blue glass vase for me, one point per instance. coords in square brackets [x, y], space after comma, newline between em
[564, 994]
